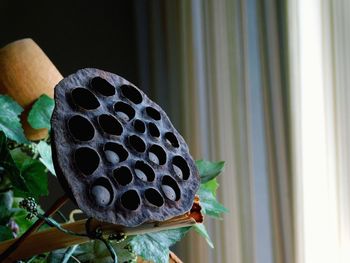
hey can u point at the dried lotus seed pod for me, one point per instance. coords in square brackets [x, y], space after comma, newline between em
[116, 152]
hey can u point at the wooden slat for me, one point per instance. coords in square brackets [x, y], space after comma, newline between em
[51, 239]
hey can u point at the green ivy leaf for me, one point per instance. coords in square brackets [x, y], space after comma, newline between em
[32, 173]
[9, 121]
[10, 169]
[40, 114]
[35, 178]
[19, 156]
[155, 246]
[5, 233]
[207, 196]
[200, 229]
[209, 170]
[209, 185]
[96, 252]
[44, 150]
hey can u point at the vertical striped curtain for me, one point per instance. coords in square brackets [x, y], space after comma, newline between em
[263, 85]
[219, 69]
[319, 41]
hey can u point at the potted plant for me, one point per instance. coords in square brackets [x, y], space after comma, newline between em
[26, 164]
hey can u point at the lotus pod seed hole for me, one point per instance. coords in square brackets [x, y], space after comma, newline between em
[181, 168]
[102, 86]
[85, 99]
[81, 128]
[86, 159]
[131, 200]
[153, 130]
[123, 175]
[139, 126]
[137, 143]
[170, 188]
[153, 113]
[102, 192]
[131, 93]
[110, 124]
[144, 172]
[124, 111]
[171, 139]
[154, 197]
[157, 155]
[115, 152]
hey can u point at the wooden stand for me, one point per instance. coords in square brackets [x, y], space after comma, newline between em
[55, 239]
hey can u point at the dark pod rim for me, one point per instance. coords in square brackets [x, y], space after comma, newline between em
[170, 188]
[131, 93]
[80, 128]
[86, 160]
[115, 153]
[131, 200]
[144, 171]
[110, 125]
[102, 86]
[154, 197]
[85, 99]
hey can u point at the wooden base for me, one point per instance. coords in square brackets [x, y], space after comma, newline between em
[51, 239]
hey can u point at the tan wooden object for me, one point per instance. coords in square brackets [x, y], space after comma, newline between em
[25, 74]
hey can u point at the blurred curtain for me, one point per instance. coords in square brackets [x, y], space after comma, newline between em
[319, 35]
[263, 85]
[219, 69]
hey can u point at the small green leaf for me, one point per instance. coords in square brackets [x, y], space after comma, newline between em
[9, 121]
[200, 229]
[35, 178]
[10, 169]
[155, 246]
[96, 252]
[44, 150]
[211, 186]
[33, 174]
[5, 233]
[19, 156]
[207, 196]
[40, 114]
[209, 170]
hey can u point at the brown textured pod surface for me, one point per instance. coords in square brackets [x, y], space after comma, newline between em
[117, 153]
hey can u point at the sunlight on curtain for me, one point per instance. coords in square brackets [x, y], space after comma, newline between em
[319, 52]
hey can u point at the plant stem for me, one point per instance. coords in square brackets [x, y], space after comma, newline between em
[31, 259]
[62, 216]
[57, 205]
[68, 254]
